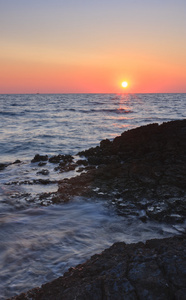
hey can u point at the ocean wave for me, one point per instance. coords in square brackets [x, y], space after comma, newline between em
[8, 113]
[86, 111]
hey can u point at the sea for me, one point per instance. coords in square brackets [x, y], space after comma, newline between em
[39, 243]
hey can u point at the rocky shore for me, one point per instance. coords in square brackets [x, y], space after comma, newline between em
[154, 270]
[141, 173]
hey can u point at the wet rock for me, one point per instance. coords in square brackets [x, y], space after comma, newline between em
[41, 164]
[80, 170]
[3, 166]
[31, 182]
[17, 161]
[38, 158]
[82, 162]
[44, 181]
[154, 270]
[43, 172]
[78, 185]
[65, 167]
[58, 158]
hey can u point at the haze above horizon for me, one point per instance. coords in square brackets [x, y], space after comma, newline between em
[92, 46]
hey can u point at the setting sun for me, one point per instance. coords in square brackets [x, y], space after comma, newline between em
[124, 84]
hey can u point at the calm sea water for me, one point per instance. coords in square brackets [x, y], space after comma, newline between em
[38, 244]
[68, 123]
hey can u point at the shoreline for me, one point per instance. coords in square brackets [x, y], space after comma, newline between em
[151, 270]
[142, 172]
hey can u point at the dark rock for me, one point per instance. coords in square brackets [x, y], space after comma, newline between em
[148, 162]
[3, 166]
[82, 162]
[154, 270]
[17, 161]
[105, 144]
[31, 182]
[44, 181]
[58, 158]
[41, 164]
[38, 158]
[43, 172]
[65, 167]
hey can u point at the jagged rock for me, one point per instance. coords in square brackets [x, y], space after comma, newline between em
[38, 158]
[148, 162]
[58, 158]
[154, 270]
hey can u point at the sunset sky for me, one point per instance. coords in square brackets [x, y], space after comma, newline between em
[91, 46]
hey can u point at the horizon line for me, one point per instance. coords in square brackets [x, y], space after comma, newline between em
[75, 93]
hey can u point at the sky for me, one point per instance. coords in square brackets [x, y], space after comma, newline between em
[86, 46]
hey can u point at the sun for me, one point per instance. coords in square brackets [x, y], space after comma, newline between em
[124, 84]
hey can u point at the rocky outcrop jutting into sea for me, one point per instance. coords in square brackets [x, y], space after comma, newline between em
[142, 172]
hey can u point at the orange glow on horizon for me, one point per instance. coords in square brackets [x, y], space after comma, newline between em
[65, 51]
[23, 76]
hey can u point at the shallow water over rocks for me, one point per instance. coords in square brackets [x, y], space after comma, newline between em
[40, 244]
